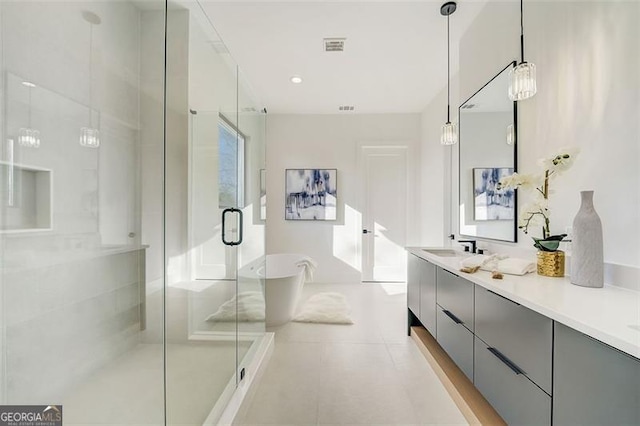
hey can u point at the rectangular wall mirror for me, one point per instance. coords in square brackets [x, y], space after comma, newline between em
[488, 141]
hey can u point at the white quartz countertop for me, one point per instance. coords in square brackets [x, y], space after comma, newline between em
[609, 314]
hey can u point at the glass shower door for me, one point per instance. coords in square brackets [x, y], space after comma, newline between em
[206, 304]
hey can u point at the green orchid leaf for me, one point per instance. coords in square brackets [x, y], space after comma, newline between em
[556, 237]
[550, 245]
[547, 244]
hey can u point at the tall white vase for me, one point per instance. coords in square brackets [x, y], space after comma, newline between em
[587, 258]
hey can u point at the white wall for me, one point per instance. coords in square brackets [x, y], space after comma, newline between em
[333, 141]
[587, 59]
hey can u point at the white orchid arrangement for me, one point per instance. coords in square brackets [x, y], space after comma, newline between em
[537, 212]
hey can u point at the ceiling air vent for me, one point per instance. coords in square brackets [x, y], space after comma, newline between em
[334, 44]
[346, 108]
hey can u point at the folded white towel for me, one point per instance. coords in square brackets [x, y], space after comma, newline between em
[515, 266]
[473, 261]
[482, 260]
[309, 266]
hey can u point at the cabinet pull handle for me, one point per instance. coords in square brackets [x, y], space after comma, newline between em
[506, 361]
[505, 298]
[453, 317]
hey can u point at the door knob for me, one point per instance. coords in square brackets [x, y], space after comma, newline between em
[365, 231]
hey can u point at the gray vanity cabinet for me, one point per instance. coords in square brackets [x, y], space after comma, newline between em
[413, 284]
[421, 291]
[516, 398]
[454, 296]
[428, 296]
[456, 340]
[593, 383]
[525, 337]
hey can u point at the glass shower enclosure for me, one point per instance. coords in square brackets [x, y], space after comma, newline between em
[126, 132]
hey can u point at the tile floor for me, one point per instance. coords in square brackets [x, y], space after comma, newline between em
[129, 391]
[369, 373]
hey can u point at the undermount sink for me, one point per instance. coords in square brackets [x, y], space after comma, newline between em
[444, 252]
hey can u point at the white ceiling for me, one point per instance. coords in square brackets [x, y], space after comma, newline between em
[394, 59]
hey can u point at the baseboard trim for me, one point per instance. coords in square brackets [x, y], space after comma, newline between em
[474, 407]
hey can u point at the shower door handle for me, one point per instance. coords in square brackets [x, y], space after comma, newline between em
[224, 217]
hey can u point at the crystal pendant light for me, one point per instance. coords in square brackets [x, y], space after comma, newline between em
[29, 137]
[522, 78]
[449, 135]
[90, 136]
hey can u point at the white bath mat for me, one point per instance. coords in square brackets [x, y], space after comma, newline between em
[250, 306]
[326, 308]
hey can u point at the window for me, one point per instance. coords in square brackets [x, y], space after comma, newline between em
[230, 165]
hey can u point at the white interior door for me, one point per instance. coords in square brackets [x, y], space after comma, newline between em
[384, 191]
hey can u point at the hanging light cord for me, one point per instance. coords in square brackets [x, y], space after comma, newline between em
[448, 74]
[521, 32]
[30, 107]
[90, 74]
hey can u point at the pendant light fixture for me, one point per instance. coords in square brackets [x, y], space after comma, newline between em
[28, 136]
[449, 134]
[522, 78]
[90, 136]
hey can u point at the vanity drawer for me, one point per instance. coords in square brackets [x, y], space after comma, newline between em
[456, 340]
[516, 398]
[455, 294]
[522, 335]
[594, 384]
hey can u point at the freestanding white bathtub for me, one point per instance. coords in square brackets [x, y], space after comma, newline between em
[283, 284]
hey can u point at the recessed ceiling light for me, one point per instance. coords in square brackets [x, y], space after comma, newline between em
[296, 79]
[28, 84]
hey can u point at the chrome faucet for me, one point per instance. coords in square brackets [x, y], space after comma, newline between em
[472, 243]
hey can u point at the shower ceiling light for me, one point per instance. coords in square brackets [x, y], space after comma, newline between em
[90, 136]
[29, 137]
[449, 135]
[522, 78]
[296, 79]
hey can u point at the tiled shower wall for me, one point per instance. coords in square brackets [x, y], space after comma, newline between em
[67, 320]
